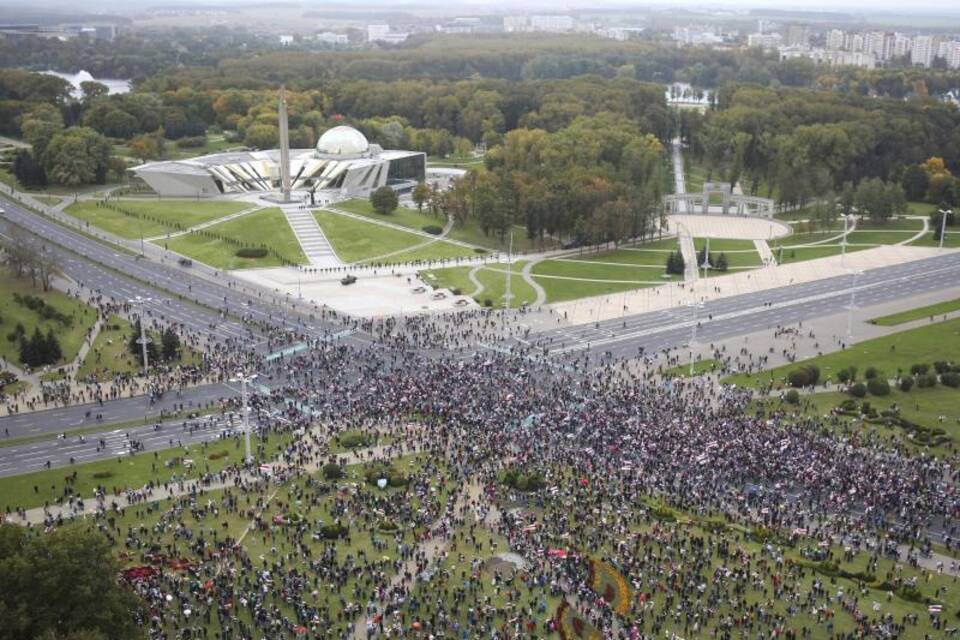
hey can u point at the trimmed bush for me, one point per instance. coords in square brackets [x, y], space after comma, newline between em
[858, 390]
[333, 531]
[906, 384]
[871, 373]
[843, 376]
[191, 142]
[798, 378]
[523, 482]
[849, 405]
[432, 229]
[216, 455]
[878, 387]
[354, 440]
[388, 525]
[101, 475]
[927, 381]
[332, 471]
[941, 367]
[919, 369]
[951, 379]
[792, 396]
[251, 252]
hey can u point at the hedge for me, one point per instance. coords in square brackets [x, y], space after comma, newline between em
[251, 252]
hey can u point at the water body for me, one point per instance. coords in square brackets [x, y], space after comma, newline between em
[113, 85]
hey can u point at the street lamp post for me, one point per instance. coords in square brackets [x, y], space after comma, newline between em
[853, 304]
[706, 258]
[244, 379]
[843, 241]
[143, 340]
[507, 295]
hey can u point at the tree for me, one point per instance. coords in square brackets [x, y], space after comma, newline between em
[78, 155]
[262, 136]
[146, 147]
[52, 347]
[421, 193]
[384, 200]
[93, 90]
[170, 345]
[27, 170]
[63, 584]
[915, 182]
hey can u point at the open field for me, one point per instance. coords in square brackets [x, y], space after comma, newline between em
[889, 354]
[358, 241]
[928, 311]
[267, 228]
[70, 334]
[151, 217]
[410, 218]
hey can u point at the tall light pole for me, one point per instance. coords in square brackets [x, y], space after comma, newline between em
[853, 304]
[943, 225]
[694, 306]
[143, 340]
[706, 258]
[244, 379]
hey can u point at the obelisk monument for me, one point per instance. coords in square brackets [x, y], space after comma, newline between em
[284, 147]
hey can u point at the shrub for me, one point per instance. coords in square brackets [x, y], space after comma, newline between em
[479, 250]
[951, 379]
[813, 371]
[798, 378]
[843, 376]
[456, 291]
[251, 252]
[487, 302]
[100, 475]
[216, 455]
[858, 390]
[942, 367]
[388, 525]
[927, 381]
[333, 531]
[792, 396]
[354, 440]
[849, 405]
[532, 481]
[332, 471]
[433, 229]
[192, 142]
[871, 373]
[878, 387]
[906, 384]
[919, 369]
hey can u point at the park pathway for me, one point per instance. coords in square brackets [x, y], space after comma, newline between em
[310, 236]
[766, 255]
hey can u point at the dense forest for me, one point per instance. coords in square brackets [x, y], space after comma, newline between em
[575, 127]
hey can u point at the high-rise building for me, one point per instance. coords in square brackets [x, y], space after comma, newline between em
[835, 39]
[951, 54]
[902, 45]
[798, 35]
[922, 51]
[515, 24]
[856, 42]
[766, 41]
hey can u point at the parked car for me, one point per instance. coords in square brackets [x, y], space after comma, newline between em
[185, 262]
[348, 280]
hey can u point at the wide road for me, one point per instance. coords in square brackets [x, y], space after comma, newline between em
[17, 459]
[752, 312]
[179, 296]
[60, 419]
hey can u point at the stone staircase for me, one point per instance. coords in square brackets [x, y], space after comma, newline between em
[314, 244]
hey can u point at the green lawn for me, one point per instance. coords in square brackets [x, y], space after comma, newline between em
[894, 224]
[939, 341]
[70, 334]
[950, 240]
[928, 311]
[800, 254]
[410, 218]
[151, 217]
[494, 281]
[268, 228]
[560, 290]
[601, 271]
[215, 143]
[110, 356]
[49, 200]
[472, 233]
[740, 253]
[700, 367]
[358, 241]
[878, 237]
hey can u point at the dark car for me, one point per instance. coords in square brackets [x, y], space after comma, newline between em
[348, 280]
[185, 262]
